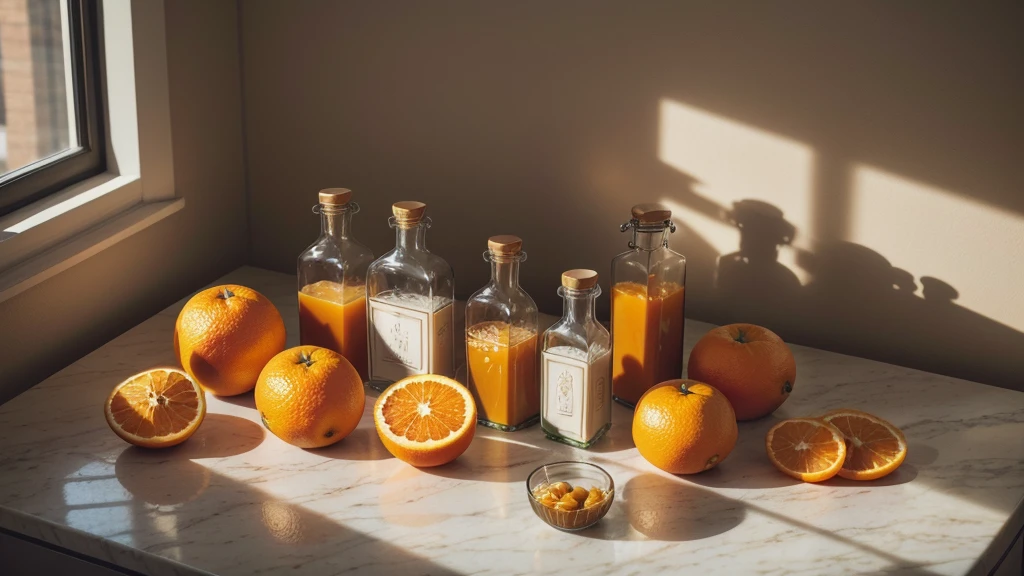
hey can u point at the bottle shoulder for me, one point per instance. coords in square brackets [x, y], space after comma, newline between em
[397, 259]
[326, 250]
[670, 253]
[663, 252]
[591, 335]
[492, 294]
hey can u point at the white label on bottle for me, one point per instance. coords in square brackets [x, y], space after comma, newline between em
[573, 394]
[406, 341]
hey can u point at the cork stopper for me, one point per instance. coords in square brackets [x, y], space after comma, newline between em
[651, 213]
[335, 196]
[505, 245]
[579, 279]
[408, 213]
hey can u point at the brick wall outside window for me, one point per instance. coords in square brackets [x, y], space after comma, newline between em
[33, 100]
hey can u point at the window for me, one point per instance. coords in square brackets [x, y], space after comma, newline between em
[107, 172]
[50, 131]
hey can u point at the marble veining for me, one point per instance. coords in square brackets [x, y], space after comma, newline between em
[236, 500]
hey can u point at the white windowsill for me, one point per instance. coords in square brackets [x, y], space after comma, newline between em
[55, 260]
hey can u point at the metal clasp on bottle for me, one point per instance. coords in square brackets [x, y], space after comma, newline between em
[649, 228]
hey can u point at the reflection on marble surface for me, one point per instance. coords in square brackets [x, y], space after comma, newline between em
[234, 500]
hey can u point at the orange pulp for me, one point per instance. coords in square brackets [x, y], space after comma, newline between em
[334, 316]
[647, 337]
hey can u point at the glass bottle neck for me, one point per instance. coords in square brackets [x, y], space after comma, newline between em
[578, 305]
[649, 239]
[336, 224]
[413, 238]
[505, 273]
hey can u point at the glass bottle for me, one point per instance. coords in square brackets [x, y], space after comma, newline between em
[576, 367]
[501, 342]
[332, 282]
[647, 306]
[410, 291]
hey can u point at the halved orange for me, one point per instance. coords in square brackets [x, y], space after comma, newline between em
[425, 420]
[806, 448]
[156, 408]
[874, 447]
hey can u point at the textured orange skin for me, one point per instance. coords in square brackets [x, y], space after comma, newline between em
[310, 403]
[224, 343]
[756, 376]
[684, 433]
[419, 456]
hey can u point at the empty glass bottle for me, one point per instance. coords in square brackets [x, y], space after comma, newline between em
[576, 394]
[501, 342]
[410, 292]
[332, 282]
[647, 306]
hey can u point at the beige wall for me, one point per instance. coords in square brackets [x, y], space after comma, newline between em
[888, 135]
[52, 324]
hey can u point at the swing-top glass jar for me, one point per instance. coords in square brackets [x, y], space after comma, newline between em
[647, 306]
[332, 282]
[410, 293]
[501, 342]
[576, 393]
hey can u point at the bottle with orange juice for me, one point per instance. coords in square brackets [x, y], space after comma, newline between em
[647, 296]
[501, 342]
[332, 282]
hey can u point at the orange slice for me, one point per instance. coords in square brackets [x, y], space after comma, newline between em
[807, 449]
[874, 447]
[425, 420]
[156, 408]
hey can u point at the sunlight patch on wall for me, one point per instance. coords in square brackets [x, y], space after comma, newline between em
[928, 231]
[730, 161]
[722, 236]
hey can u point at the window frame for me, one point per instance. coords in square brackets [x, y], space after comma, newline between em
[136, 189]
[45, 176]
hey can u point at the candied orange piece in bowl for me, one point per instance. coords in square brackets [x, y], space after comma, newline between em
[570, 495]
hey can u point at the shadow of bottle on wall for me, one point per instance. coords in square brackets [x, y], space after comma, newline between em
[859, 292]
[856, 302]
[877, 313]
[752, 285]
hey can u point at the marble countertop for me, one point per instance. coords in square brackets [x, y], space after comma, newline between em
[236, 500]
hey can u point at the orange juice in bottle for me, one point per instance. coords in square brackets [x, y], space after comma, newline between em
[333, 316]
[332, 283]
[647, 307]
[501, 342]
[502, 362]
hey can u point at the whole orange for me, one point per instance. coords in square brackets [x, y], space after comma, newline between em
[684, 426]
[225, 335]
[751, 365]
[310, 396]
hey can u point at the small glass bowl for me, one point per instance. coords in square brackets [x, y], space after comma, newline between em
[578, 474]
